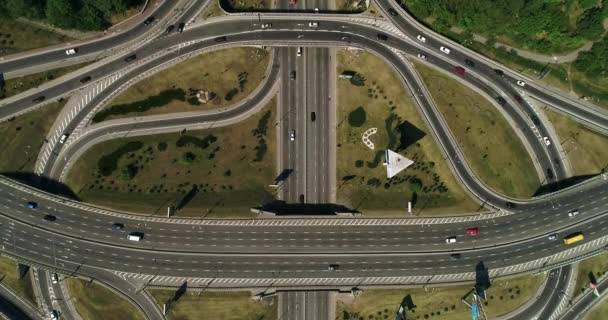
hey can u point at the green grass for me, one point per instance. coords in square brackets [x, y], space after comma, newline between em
[350, 6]
[10, 277]
[17, 36]
[94, 302]
[21, 138]
[17, 85]
[441, 303]
[587, 150]
[212, 305]
[493, 150]
[217, 72]
[161, 173]
[597, 265]
[598, 312]
[245, 5]
[362, 182]
[213, 10]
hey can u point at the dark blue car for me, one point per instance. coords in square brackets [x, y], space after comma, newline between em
[31, 205]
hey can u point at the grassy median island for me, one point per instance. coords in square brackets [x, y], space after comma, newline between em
[219, 172]
[17, 36]
[22, 137]
[9, 276]
[440, 303]
[220, 78]
[587, 150]
[225, 305]
[590, 269]
[95, 302]
[375, 98]
[494, 151]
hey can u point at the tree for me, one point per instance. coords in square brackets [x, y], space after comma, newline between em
[91, 18]
[59, 13]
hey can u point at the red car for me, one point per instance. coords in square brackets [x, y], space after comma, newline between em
[472, 231]
[459, 70]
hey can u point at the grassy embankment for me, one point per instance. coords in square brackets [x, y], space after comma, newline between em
[441, 303]
[229, 305]
[219, 172]
[494, 151]
[228, 75]
[381, 102]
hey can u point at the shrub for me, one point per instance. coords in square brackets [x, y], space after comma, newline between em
[162, 146]
[107, 164]
[357, 117]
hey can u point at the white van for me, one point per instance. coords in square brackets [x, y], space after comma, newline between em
[134, 237]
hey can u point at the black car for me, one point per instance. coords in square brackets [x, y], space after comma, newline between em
[313, 116]
[220, 39]
[117, 226]
[469, 63]
[535, 120]
[50, 217]
[393, 12]
[501, 101]
[292, 75]
[499, 72]
[85, 79]
[169, 29]
[180, 28]
[455, 256]
[39, 99]
[130, 58]
[550, 173]
[148, 21]
[382, 37]
[510, 205]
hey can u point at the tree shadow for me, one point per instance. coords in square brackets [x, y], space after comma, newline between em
[187, 198]
[283, 175]
[482, 279]
[592, 277]
[556, 186]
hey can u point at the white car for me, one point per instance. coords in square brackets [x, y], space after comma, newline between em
[521, 83]
[444, 50]
[553, 237]
[54, 278]
[572, 213]
[70, 52]
[53, 315]
[451, 239]
[547, 142]
[266, 25]
[299, 52]
[64, 137]
[422, 56]
[313, 24]
[421, 38]
[292, 135]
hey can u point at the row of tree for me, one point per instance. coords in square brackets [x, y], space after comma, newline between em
[545, 26]
[68, 14]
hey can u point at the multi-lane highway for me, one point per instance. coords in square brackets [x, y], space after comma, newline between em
[298, 253]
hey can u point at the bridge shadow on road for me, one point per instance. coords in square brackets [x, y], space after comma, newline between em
[556, 186]
[42, 183]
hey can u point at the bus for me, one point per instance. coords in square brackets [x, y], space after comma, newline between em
[575, 237]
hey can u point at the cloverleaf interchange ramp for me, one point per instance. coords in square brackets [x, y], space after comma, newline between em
[388, 267]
